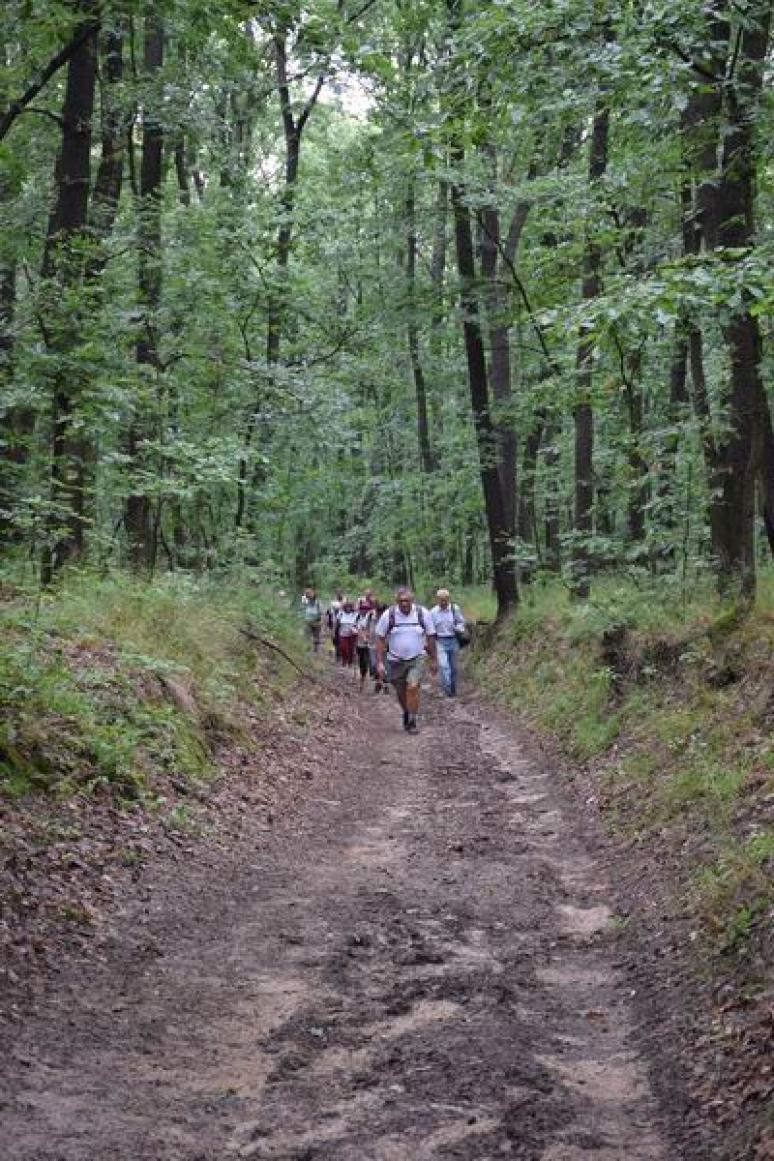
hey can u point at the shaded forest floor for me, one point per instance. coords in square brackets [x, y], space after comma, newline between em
[361, 945]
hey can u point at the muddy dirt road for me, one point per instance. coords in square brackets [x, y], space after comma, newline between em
[417, 964]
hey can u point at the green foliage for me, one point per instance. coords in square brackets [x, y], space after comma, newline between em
[307, 465]
[89, 681]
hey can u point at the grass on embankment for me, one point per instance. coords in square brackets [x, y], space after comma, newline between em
[672, 703]
[112, 684]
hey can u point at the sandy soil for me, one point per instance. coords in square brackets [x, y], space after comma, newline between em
[418, 962]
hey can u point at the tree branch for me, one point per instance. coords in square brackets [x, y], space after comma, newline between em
[16, 108]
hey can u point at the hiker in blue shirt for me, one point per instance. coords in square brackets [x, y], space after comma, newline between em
[449, 625]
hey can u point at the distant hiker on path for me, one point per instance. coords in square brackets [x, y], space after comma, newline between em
[449, 625]
[312, 614]
[346, 621]
[334, 608]
[405, 633]
[366, 626]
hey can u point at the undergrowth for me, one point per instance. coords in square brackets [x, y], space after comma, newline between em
[114, 682]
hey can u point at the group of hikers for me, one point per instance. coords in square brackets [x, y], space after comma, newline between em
[389, 643]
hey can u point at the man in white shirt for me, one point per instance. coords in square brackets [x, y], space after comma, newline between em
[448, 622]
[405, 632]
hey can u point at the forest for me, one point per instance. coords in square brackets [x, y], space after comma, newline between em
[447, 290]
[356, 294]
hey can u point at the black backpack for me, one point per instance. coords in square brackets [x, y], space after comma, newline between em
[420, 615]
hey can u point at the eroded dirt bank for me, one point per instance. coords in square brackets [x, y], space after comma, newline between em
[419, 962]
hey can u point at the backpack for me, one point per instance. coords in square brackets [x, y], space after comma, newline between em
[420, 614]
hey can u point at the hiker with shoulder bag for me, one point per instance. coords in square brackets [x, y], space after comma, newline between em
[452, 634]
[405, 634]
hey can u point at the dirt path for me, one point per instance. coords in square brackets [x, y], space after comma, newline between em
[418, 964]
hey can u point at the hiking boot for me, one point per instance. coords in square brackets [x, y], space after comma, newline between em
[406, 719]
[411, 725]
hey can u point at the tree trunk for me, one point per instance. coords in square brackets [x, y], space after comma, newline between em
[638, 468]
[438, 255]
[767, 476]
[140, 525]
[667, 477]
[293, 129]
[583, 413]
[500, 542]
[17, 423]
[426, 457]
[62, 272]
[527, 520]
[552, 522]
[110, 172]
[725, 200]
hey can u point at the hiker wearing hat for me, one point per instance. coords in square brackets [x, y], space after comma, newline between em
[405, 633]
[449, 626]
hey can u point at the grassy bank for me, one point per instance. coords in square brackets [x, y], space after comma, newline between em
[672, 706]
[664, 708]
[116, 684]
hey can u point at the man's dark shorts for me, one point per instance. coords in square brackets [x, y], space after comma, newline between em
[407, 673]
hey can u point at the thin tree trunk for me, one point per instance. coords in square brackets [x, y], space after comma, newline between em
[17, 423]
[110, 172]
[767, 476]
[583, 412]
[438, 255]
[139, 521]
[553, 558]
[667, 480]
[638, 468]
[426, 457]
[527, 520]
[293, 130]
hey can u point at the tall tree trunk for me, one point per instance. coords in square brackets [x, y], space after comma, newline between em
[583, 412]
[667, 478]
[767, 476]
[141, 528]
[553, 557]
[438, 255]
[499, 356]
[62, 273]
[293, 130]
[16, 422]
[725, 200]
[638, 468]
[527, 527]
[500, 541]
[426, 457]
[110, 172]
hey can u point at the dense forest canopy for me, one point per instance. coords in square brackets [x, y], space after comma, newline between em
[429, 289]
